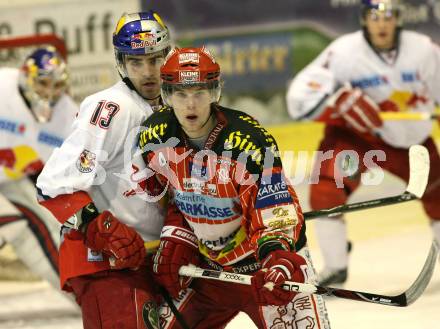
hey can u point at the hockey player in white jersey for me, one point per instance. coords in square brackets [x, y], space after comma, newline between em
[377, 69]
[35, 116]
[105, 221]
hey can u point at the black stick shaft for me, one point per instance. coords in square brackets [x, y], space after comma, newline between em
[399, 300]
[339, 210]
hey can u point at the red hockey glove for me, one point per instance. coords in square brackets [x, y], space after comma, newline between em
[277, 267]
[106, 233]
[357, 109]
[178, 246]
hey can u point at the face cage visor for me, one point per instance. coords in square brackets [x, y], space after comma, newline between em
[42, 107]
[387, 11]
[121, 59]
[213, 87]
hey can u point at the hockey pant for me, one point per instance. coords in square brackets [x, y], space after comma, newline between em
[123, 299]
[211, 304]
[31, 229]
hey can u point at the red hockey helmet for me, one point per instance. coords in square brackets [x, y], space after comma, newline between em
[189, 67]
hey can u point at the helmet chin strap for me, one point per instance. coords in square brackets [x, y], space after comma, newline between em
[132, 87]
[150, 99]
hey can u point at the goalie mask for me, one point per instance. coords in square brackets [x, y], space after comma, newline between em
[42, 81]
[190, 67]
[139, 34]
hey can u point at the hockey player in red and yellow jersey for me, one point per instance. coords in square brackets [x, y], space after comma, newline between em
[381, 68]
[231, 207]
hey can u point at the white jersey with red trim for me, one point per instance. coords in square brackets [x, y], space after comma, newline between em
[408, 80]
[23, 140]
[96, 158]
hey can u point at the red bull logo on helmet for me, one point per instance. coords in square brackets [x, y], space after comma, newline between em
[142, 40]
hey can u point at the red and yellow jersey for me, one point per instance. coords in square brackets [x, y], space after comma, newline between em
[233, 193]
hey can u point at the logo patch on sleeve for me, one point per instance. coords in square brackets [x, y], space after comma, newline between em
[273, 190]
[94, 256]
[280, 217]
[86, 161]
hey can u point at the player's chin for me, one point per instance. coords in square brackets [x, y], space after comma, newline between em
[192, 125]
[150, 93]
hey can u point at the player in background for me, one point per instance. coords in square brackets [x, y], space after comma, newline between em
[35, 117]
[102, 216]
[231, 207]
[377, 69]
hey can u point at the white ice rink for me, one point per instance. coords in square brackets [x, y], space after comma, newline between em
[390, 245]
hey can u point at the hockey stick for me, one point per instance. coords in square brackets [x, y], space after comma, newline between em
[406, 116]
[418, 179]
[152, 246]
[406, 298]
[179, 317]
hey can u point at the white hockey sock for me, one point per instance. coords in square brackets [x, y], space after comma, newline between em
[332, 238]
[435, 224]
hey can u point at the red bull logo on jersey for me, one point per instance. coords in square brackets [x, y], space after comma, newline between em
[406, 100]
[142, 40]
[22, 160]
[86, 161]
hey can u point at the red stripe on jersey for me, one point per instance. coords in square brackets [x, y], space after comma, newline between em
[42, 233]
[66, 205]
[200, 220]
[9, 219]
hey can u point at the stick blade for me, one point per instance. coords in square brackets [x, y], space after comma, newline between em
[418, 170]
[422, 281]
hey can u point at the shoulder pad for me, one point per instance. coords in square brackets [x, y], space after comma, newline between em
[245, 134]
[155, 128]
